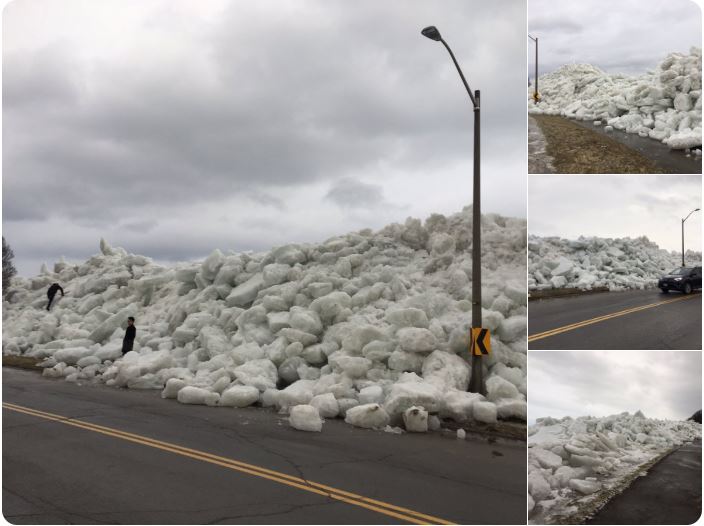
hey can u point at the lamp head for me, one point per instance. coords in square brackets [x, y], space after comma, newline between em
[432, 33]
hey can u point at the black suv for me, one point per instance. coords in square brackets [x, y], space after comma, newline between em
[684, 279]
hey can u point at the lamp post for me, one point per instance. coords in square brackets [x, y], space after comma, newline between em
[685, 219]
[535, 91]
[476, 381]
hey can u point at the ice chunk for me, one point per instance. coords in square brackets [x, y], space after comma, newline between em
[298, 393]
[538, 487]
[585, 487]
[197, 395]
[404, 395]
[409, 317]
[367, 415]
[243, 295]
[446, 371]
[414, 339]
[305, 418]
[326, 404]
[546, 459]
[239, 396]
[485, 412]
[415, 419]
[373, 394]
[258, 373]
[497, 387]
[459, 405]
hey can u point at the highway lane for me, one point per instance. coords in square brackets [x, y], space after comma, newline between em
[242, 466]
[637, 319]
[671, 493]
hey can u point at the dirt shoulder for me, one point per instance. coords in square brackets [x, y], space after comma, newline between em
[575, 149]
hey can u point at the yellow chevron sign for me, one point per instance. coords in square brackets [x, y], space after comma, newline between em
[480, 343]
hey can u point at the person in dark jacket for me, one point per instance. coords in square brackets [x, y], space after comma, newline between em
[52, 292]
[130, 333]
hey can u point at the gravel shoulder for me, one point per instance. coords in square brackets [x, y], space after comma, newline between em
[576, 149]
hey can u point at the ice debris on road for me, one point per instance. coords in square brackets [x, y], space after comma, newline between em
[368, 327]
[571, 458]
[665, 105]
[590, 262]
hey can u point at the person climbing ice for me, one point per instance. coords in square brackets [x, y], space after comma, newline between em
[52, 292]
[130, 333]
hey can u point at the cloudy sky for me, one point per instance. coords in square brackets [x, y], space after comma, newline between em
[617, 206]
[623, 36]
[174, 127]
[662, 384]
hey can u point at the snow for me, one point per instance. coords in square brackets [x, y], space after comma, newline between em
[589, 262]
[664, 105]
[305, 418]
[572, 458]
[364, 326]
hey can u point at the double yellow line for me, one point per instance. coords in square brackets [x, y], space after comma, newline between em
[384, 508]
[571, 327]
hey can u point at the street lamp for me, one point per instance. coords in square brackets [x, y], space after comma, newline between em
[476, 383]
[536, 97]
[685, 219]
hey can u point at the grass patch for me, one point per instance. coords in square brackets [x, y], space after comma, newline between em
[22, 362]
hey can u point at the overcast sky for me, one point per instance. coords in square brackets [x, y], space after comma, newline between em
[174, 127]
[622, 36]
[617, 206]
[662, 384]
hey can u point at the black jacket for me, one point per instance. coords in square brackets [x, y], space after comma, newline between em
[130, 333]
[52, 290]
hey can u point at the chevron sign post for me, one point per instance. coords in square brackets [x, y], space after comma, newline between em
[480, 344]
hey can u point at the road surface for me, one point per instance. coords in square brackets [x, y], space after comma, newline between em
[539, 162]
[636, 319]
[671, 493]
[72, 471]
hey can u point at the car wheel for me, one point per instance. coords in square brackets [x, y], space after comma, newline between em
[664, 291]
[687, 288]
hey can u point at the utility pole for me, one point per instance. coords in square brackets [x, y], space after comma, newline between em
[536, 97]
[476, 383]
[685, 219]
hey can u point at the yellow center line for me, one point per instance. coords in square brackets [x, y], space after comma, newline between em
[384, 508]
[577, 325]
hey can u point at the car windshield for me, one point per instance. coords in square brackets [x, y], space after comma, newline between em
[680, 271]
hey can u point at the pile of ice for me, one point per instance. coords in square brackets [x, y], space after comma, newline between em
[665, 105]
[571, 458]
[590, 262]
[364, 326]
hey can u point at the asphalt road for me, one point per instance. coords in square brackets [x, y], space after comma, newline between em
[539, 162]
[71, 471]
[671, 493]
[638, 319]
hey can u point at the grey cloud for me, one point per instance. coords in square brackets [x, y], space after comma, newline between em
[253, 105]
[628, 36]
[555, 23]
[661, 384]
[349, 193]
